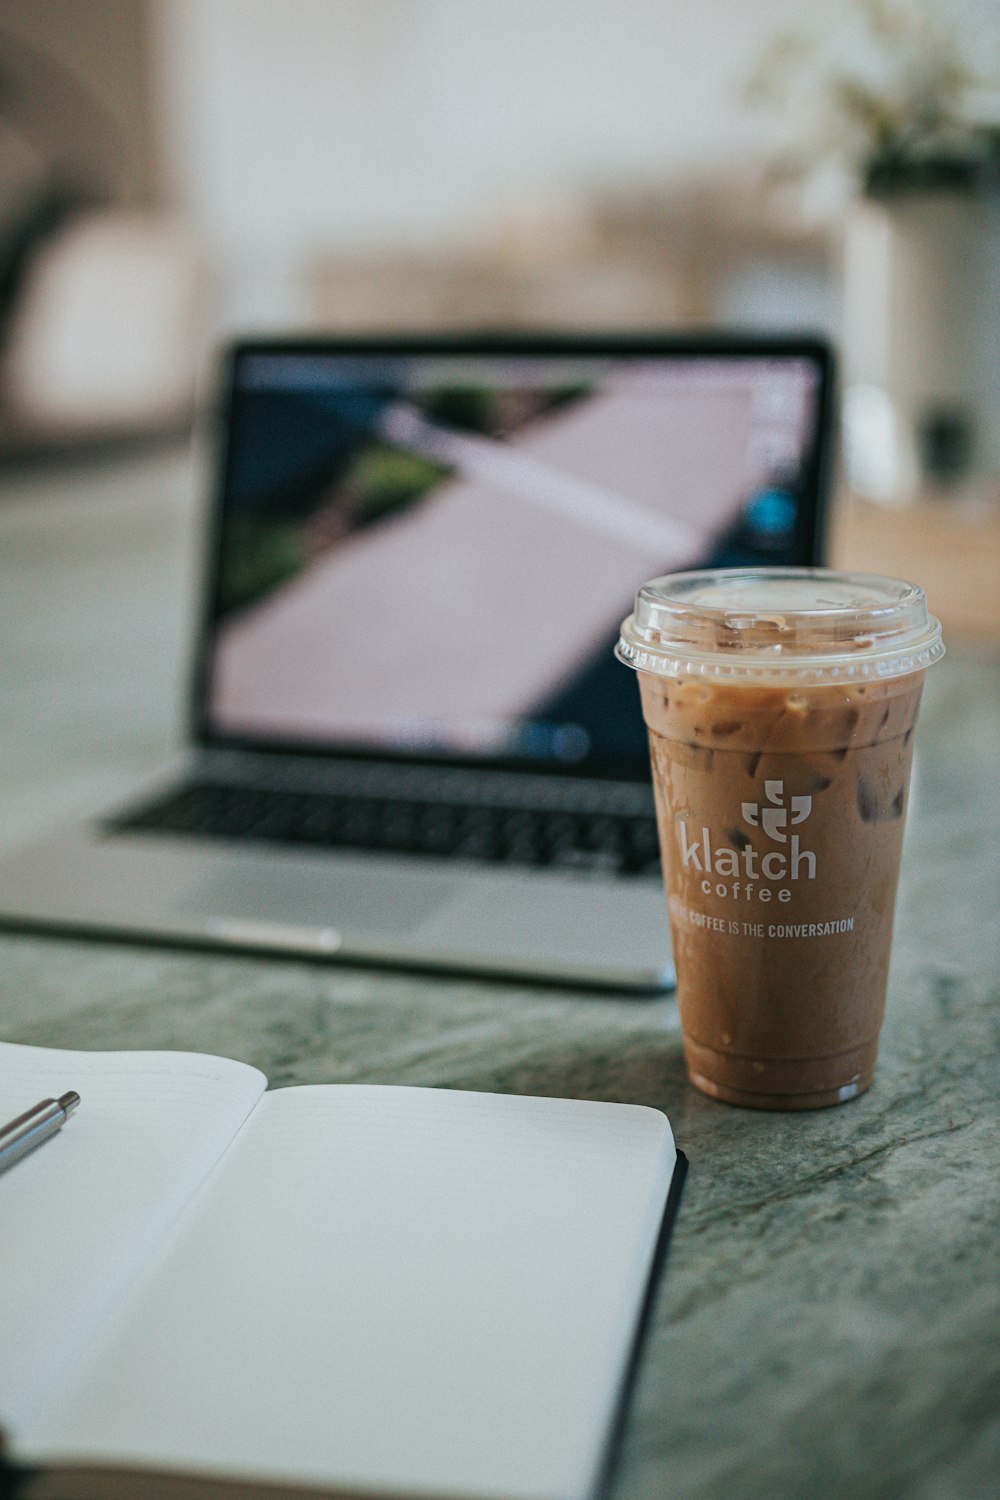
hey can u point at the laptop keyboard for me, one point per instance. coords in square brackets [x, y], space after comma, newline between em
[613, 842]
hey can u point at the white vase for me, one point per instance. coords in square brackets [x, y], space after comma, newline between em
[921, 343]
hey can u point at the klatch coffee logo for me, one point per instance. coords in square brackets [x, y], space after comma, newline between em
[736, 870]
[775, 819]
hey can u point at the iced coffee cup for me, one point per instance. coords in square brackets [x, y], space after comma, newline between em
[780, 705]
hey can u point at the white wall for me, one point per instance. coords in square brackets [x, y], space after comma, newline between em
[297, 125]
[294, 125]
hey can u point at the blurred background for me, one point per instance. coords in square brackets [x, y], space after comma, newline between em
[175, 171]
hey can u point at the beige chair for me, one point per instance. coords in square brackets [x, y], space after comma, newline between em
[108, 331]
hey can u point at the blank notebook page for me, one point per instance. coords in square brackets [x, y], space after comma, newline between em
[80, 1216]
[401, 1289]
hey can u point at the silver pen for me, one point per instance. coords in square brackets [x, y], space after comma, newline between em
[33, 1127]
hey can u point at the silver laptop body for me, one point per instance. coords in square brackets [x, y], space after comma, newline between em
[412, 743]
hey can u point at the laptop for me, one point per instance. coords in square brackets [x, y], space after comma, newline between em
[411, 742]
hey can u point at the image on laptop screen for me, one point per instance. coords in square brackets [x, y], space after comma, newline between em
[429, 553]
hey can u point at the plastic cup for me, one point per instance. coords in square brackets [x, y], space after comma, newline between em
[780, 705]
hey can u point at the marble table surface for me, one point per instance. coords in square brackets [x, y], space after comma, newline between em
[829, 1322]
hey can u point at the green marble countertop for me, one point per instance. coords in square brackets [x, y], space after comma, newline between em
[829, 1323]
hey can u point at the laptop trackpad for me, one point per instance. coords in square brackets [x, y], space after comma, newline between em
[283, 892]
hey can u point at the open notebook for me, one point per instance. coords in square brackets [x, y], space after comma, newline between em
[348, 1288]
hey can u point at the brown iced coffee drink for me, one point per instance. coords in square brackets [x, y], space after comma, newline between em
[780, 706]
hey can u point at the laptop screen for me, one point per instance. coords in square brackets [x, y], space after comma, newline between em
[426, 549]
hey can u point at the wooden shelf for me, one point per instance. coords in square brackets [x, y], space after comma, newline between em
[951, 548]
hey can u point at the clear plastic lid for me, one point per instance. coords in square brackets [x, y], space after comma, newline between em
[780, 624]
